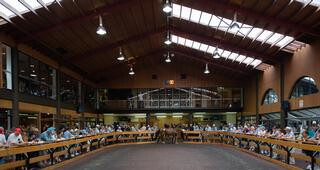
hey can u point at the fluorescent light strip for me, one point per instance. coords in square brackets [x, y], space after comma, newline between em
[223, 24]
[19, 7]
[210, 49]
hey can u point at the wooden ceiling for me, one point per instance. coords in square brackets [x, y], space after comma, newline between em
[66, 31]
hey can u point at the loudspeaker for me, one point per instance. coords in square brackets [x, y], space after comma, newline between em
[285, 105]
[183, 76]
[154, 76]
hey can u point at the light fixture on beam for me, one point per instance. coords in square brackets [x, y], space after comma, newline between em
[168, 57]
[206, 71]
[167, 8]
[234, 25]
[168, 41]
[101, 30]
[121, 56]
[131, 72]
[216, 54]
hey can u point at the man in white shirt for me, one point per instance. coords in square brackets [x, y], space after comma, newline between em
[15, 138]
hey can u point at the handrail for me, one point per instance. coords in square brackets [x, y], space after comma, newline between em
[237, 140]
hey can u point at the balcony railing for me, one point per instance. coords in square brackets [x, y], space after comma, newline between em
[172, 103]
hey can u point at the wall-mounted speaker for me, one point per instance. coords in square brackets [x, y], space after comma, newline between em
[285, 105]
[154, 76]
[183, 76]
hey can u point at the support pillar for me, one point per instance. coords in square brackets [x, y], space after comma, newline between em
[57, 117]
[284, 104]
[15, 78]
[257, 101]
[190, 118]
[1, 72]
[148, 115]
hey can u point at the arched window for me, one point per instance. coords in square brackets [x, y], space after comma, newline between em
[270, 97]
[304, 86]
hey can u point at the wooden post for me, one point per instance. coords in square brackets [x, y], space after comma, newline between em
[39, 121]
[1, 71]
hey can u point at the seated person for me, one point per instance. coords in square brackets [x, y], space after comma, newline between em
[15, 138]
[48, 135]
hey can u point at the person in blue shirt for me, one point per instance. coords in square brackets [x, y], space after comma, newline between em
[67, 134]
[48, 135]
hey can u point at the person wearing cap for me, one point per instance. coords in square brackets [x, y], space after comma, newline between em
[15, 138]
[290, 135]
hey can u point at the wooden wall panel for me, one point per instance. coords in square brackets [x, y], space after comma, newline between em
[68, 112]
[29, 107]
[269, 108]
[91, 115]
[195, 78]
[6, 104]
[249, 107]
[305, 62]
[312, 100]
[5, 38]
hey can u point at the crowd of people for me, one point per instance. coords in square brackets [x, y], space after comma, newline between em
[31, 134]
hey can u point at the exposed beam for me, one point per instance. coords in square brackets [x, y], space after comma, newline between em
[195, 56]
[104, 10]
[89, 54]
[175, 30]
[100, 72]
[221, 43]
[210, 5]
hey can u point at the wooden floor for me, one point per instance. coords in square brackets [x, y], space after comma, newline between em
[175, 157]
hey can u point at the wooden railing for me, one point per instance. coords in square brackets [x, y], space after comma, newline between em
[50, 151]
[281, 147]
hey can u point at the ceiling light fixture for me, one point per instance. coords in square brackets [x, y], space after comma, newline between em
[168, 57]
[216, 54]
[168, 41]
[234, 24]
[206, 71]
[167, 8]
[131, 72]
[101, 30]
[121, 56]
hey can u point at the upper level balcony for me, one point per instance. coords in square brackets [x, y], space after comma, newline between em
[171, 99]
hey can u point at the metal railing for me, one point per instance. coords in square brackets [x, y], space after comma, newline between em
[172, 103]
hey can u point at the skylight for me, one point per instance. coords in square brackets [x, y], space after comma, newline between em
[315, 3]
[223, 24]
[227, 55]
[9, 8]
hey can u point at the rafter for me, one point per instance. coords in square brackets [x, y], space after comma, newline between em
[104, 10]
[206, 5]
[196, 56]
[101, 72]
[175, 30]
[89, 54]
[221, 43]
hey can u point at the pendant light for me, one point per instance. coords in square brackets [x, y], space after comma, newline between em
[168, 41]
[101, 30]
[234, 25]
[121, 56]
[131, 72]
[206, 71]
[216, 54]
[167, 8]
[168, 59]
